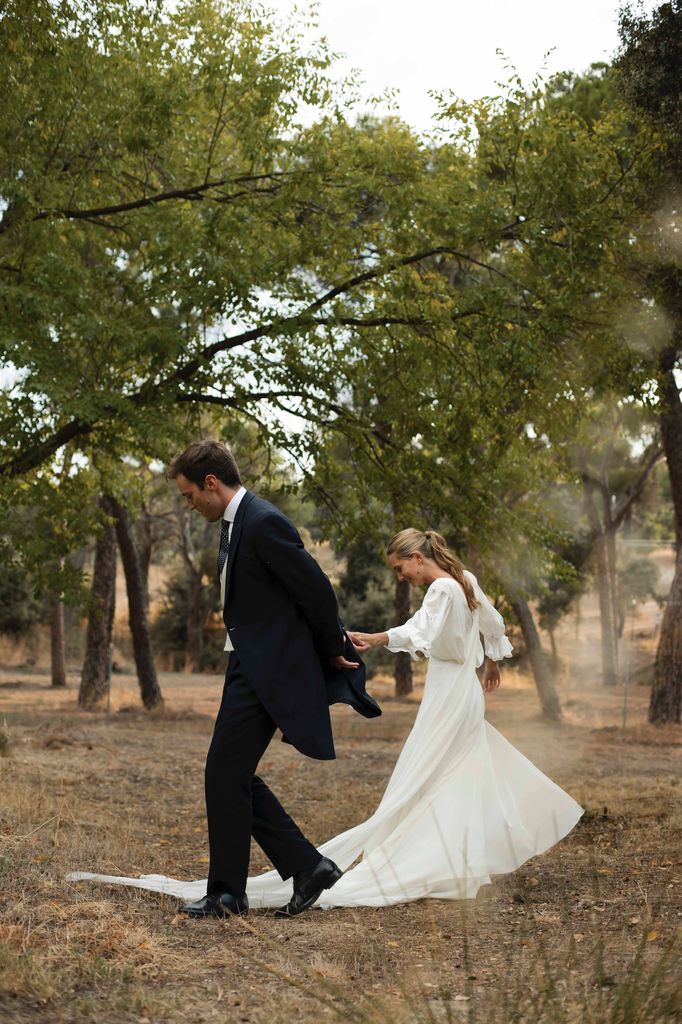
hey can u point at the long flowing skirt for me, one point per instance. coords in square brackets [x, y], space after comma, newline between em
[461, 805]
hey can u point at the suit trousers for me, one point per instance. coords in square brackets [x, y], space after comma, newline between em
[238, 803]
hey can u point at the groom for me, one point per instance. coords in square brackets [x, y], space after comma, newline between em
[282, 628]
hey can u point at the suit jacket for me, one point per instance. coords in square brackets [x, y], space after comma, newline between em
[281, 613]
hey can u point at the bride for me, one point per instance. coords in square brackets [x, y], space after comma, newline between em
[462, 803]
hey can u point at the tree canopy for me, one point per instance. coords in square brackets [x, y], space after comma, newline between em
[424, 324]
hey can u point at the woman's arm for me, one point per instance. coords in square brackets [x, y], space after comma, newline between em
[363, 641]
[417, 634]
[491, 624]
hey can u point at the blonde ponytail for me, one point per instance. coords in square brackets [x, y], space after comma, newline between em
[432, 545]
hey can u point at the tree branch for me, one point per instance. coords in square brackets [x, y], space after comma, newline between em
[225, 344]
[192, 193]
[29, 460]
[649, 459]
[41, 452]
[389, 321]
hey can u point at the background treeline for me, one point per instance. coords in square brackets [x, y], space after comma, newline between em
[479, 330]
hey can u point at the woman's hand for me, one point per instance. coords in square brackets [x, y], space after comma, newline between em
[363, 641]
[491, 676]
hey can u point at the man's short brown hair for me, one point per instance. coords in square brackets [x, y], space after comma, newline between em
[202, 458]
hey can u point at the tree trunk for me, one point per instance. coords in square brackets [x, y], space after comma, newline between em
[196, 606]
[138, 601]
[73, 615]
[666, 695]
[608, 654]
[145, 546]
[402, 672]
[555, 653]
[57, 650]
[601, 568]
[549, 699]
[196, 616]
[612, 570]
[95, 680]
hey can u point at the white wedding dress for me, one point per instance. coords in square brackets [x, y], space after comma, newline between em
[462, 803]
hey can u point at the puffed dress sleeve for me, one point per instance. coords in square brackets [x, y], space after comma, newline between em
[419, 632]
[491, 625]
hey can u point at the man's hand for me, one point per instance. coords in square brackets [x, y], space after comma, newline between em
[491, 676]
[341, 662]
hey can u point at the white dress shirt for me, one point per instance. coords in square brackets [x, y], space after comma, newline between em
[229, 514]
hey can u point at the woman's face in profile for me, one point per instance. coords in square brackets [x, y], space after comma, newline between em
[410, 569]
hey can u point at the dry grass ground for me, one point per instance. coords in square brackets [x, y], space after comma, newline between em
[584, 933]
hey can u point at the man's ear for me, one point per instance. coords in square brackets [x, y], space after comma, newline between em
[210, 482]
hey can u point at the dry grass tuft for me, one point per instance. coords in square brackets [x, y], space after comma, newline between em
[5, 744]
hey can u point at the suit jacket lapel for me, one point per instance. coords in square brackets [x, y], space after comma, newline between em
[234, 540]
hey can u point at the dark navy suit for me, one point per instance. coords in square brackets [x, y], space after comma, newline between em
[281, 613]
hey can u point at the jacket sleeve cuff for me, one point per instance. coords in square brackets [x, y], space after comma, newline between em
[334, 646]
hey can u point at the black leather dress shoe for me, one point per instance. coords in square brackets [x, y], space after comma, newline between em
[217, 904]
[308, 885]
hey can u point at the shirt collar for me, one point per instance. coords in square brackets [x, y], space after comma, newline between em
[232, 506]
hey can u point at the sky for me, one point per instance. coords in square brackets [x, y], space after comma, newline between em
[417, 45]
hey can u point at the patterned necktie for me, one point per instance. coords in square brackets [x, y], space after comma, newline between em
[224, 545]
